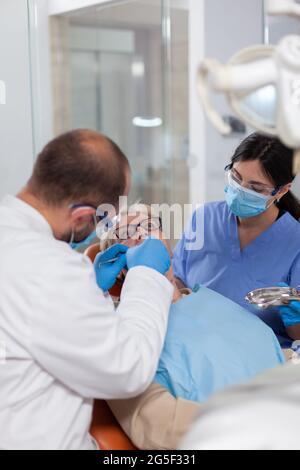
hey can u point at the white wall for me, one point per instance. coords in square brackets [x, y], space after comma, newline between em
[218, 29]
[230, 25]
[16, 157]
[41, 85]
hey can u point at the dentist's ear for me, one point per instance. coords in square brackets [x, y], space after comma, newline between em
[80, 213]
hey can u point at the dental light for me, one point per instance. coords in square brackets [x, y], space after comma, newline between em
[262, 84]
[282, 7]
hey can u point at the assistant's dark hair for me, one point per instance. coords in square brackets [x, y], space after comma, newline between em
[277, 161]
[80, 166]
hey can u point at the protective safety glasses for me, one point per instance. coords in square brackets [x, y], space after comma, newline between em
[258, 188]
[147, 226]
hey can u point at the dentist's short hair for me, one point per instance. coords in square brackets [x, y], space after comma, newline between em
[81, 166]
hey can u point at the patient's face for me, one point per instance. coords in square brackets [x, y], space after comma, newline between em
[134, 229]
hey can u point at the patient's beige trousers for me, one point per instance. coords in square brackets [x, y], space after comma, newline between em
[155, 420]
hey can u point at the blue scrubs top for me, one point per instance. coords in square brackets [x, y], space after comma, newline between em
[221, 265]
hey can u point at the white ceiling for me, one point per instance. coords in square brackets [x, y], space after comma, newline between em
[125, 14]
[57, 7]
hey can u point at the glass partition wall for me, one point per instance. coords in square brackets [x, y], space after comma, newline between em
[122, 68]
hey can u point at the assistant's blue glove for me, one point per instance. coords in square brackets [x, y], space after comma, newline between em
[107, 273]
[152, 253]
[290, 314]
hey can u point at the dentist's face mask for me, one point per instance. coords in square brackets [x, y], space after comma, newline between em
[86, 241]
[101, 221]
[246, 203]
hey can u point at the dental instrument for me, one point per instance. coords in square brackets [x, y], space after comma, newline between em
[273, 296]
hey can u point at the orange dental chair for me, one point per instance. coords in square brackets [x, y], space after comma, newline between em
[105, 429]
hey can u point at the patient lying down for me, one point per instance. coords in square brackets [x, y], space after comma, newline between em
[211, 343]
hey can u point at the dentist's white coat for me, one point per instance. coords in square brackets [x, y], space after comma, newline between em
[64, 342]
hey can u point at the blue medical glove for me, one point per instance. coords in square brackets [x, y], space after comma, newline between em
[106, 272]
[290, 314]
[152, 253]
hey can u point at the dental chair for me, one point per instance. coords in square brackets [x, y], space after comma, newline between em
[105, 429]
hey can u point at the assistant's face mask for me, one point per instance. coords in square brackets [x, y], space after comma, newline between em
[245, 203]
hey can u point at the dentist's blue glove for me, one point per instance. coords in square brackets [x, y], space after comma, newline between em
[290, 314]
[106, 272]
[152, 254]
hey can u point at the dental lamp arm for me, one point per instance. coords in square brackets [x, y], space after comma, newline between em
[229, 78]
[215, 118]
[282, 8]
[245, 77]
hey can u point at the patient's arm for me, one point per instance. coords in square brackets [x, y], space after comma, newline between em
[155, 420]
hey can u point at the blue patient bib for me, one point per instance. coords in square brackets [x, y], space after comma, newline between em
[213, 343]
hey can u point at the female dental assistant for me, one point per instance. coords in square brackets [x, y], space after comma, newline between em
[253, 239]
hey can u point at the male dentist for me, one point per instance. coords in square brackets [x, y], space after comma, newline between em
[64, 343]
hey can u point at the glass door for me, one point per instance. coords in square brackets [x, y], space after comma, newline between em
[122, 68]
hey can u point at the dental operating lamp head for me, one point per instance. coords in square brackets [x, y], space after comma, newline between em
[282, 7]
[261, 83]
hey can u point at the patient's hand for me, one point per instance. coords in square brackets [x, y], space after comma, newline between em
[177, 294]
